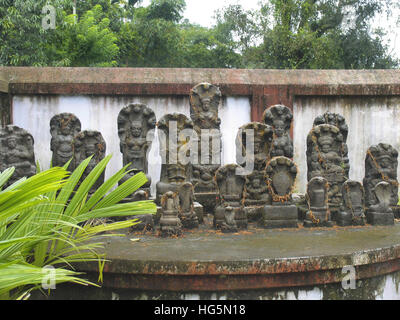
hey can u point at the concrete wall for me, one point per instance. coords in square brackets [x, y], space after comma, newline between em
[33, 113]
[371, 120]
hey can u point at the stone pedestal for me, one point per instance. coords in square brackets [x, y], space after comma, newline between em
[198, 208]
[380, 218]
[317, 218]
[280, 217]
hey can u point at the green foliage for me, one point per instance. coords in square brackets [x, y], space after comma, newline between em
[284, 34]
[88, 42]
[45, 221]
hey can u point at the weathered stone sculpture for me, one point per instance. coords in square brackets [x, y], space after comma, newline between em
[204, 103]
[255, 160]
[187, 213]
[281, 174]
[63, 128]
[170, 224]
[136, 123]
[280, 117]
[231, 187]
[381, 213]
[174, 144]
[318, 214]
[85, 144]
[381, 165]
[353, 208]
[17, 151]
[338, 121]
[325, 159]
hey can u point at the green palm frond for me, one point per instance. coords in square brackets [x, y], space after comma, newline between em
[44, 222]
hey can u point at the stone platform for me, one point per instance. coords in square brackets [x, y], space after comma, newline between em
[207, 261]
[202, 256]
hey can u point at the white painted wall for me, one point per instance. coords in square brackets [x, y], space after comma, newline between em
[371, 120]
[33, 113]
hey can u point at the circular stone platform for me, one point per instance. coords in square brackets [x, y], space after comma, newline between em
[209, 261]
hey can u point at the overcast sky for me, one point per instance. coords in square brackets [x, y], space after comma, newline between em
[202, 12]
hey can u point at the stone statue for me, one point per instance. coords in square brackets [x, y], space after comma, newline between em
[281, 174]
[339, 121]
[170, 224]
[174, 145]
[85, 144]
[280, 117]
[318, 214]
[204, 103]
[231, 194]
[187, 213]
[381, 165]
[381, 213]
[353, 208]
[325, 159]
[63, 128]
[136, 123]
[17, 151]
[259, 144]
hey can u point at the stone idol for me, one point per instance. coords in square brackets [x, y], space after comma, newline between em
[381, 165]
[231, 187]
[281, 174]
[353, 208]
[257, 137]
[187, 212]
[85, 144]
[318, 214]
[279, 117]
[174, 171]
[175, 134]
[338, 121]
[381, 213]
[204, 102]
[325, 159]
[136, 123]
[170, 224]
[17, 151]
[63, 128]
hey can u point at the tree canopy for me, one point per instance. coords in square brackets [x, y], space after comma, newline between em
[281, 34]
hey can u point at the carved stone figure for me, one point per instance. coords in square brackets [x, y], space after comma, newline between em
[339, 121]
[231, 187]
[85, 144]
[204, 103]
[187, 213]
[175, 144]
[17, 151]
[318, 214]
[381, 213]
[257, 137]
[259, 147]
[136, 123]
[170, 224]
[63, 128]
[325, 159]
[381, 165]
[281, 174]
[280, 118]
[353, 208]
